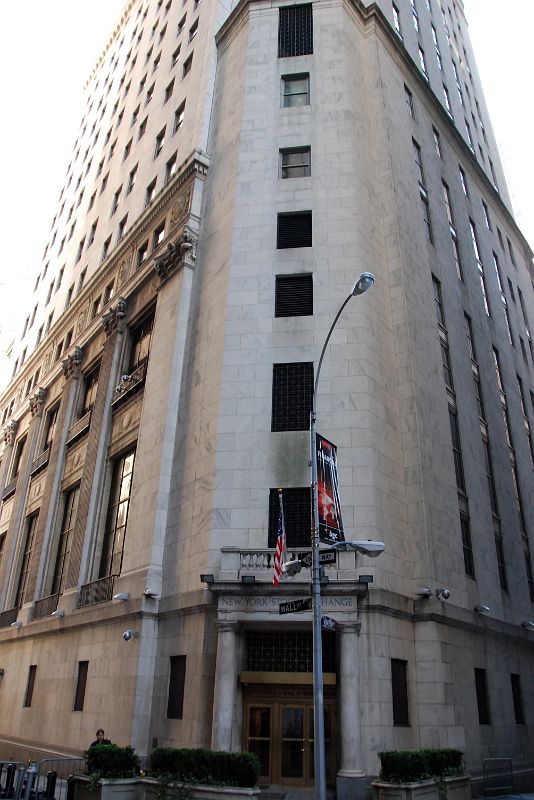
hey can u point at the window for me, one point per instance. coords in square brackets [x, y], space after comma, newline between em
[127, 150]
[170, 167]
[293, 295]
[135, 116]
[181, 25]
[65, 540]
[175, 56]
[81, 280]
[50, 427]
[179, 117]
[162, 33]
[159, 235]
[422, 62]
[31, 526]
[295, 162]
[92, 234]
[140, 347]
[295, 31]
[396, 20]
[175, 702]
[193, 30]
[294, 230]
[295, 90]
[81, 683]
[80, 250]
[415, 15]
[501, 563]
[408, 97]
[104, 183]
[156, 62]
[112, 149]
[187, 65]
[160, 141]
[91, 201]
[149, 94]
[108, 293]
[487, 219]
[482, 697]
[122, 227]
[437, 143]
[117, 515]
[463, 181]
[142, 128]
[467, 545]
[436, 47]
[447, 101]
[518, 700]
[142, 253]
[150, 192]
[90, 386]
[168, 92]
[511, 251]
[131, 180]
[28, 695]
[291, 396]
[116, 200]
[297, 516]
[399, 691]
[105, 249]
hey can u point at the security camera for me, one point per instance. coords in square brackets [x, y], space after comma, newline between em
[121, 597]
[482, 608]
[424, 592]
[150, 595]
[126, 378]
[127, 635]
[443, 593]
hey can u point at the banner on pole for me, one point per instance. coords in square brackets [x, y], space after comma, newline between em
[330, 524]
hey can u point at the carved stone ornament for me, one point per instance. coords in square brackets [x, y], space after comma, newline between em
[183, 251]
[181, 207]
[10, 432]
[72, 364]
[114, 319]
[37, 402]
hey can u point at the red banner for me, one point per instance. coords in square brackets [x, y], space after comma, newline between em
[330, 524]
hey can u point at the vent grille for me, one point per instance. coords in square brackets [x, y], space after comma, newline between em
[297, 517]
[294, 230]
[293, 296]
[287, 651]
[292, 396]
[295, 31]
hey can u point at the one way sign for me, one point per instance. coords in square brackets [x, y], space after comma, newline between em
[303, 604]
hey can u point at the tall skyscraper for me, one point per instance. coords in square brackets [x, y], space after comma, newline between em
[237, 167]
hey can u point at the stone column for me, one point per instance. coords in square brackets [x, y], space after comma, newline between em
[9, 433]
[225, 692]
[350, 778]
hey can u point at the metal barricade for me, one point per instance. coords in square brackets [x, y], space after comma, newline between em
[8, 777]
[498, 776]
[52, 782]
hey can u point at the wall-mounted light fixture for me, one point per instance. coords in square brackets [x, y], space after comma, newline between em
[122, 597]
[17, 624]
[58, 613]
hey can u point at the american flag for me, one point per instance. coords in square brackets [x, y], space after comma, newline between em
[280, 543]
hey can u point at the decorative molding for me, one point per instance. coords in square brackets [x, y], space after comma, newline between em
[114, 320]
[10, 432]
[72, 364]
[37, 402]
[182, 252]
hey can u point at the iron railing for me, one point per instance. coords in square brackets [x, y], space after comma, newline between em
[8, 617]
[9, 488]
[99, 591]
[40, 462]
[45, 606]
[129, 384]
[79, 427]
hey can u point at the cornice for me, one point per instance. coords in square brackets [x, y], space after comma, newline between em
[124, 17]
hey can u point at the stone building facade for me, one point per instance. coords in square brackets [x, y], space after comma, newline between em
[236, 169]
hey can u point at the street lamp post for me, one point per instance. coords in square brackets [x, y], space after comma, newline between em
[364, 282]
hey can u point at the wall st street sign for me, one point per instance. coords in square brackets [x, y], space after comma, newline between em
[291, 606]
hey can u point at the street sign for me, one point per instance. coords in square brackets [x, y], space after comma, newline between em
[325, 557]
[328, 623]
[303, 604]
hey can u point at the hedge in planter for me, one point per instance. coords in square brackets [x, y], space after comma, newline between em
[206, 766]
[111, 761]
[408, 766]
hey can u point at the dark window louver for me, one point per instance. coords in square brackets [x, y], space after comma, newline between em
[297, 516]
[293, 296]
[399, 690]
[295, 31]
[294, 230]
[292, 396]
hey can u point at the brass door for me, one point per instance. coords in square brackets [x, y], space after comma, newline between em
[281, 735]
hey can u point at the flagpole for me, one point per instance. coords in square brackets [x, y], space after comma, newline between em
[364, 282]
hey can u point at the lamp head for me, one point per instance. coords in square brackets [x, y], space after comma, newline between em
[482, 608]
[291, 568]
[528, 624]
[364, 282]
[127, 635]
[17, 624]
[425, 592]
[367, 547]
[122, 597]
[58, 613]
[443, 594]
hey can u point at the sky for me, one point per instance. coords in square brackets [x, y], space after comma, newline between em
[56, 44]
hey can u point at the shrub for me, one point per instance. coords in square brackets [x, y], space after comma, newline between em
[206, 766]
[111, 761]
[408, 766]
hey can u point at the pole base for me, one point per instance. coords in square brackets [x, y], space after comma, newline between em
[351, 785]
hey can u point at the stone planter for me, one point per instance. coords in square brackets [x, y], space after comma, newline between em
[420, 790]
[147, 789]
[457, 787]
[120, 789]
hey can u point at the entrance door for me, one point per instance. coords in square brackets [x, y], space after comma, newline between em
[281, 735]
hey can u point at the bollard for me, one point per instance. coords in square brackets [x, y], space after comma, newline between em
[10, 780]
[32, 774]
[71, 786]
[50, 785]
[19, 783]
